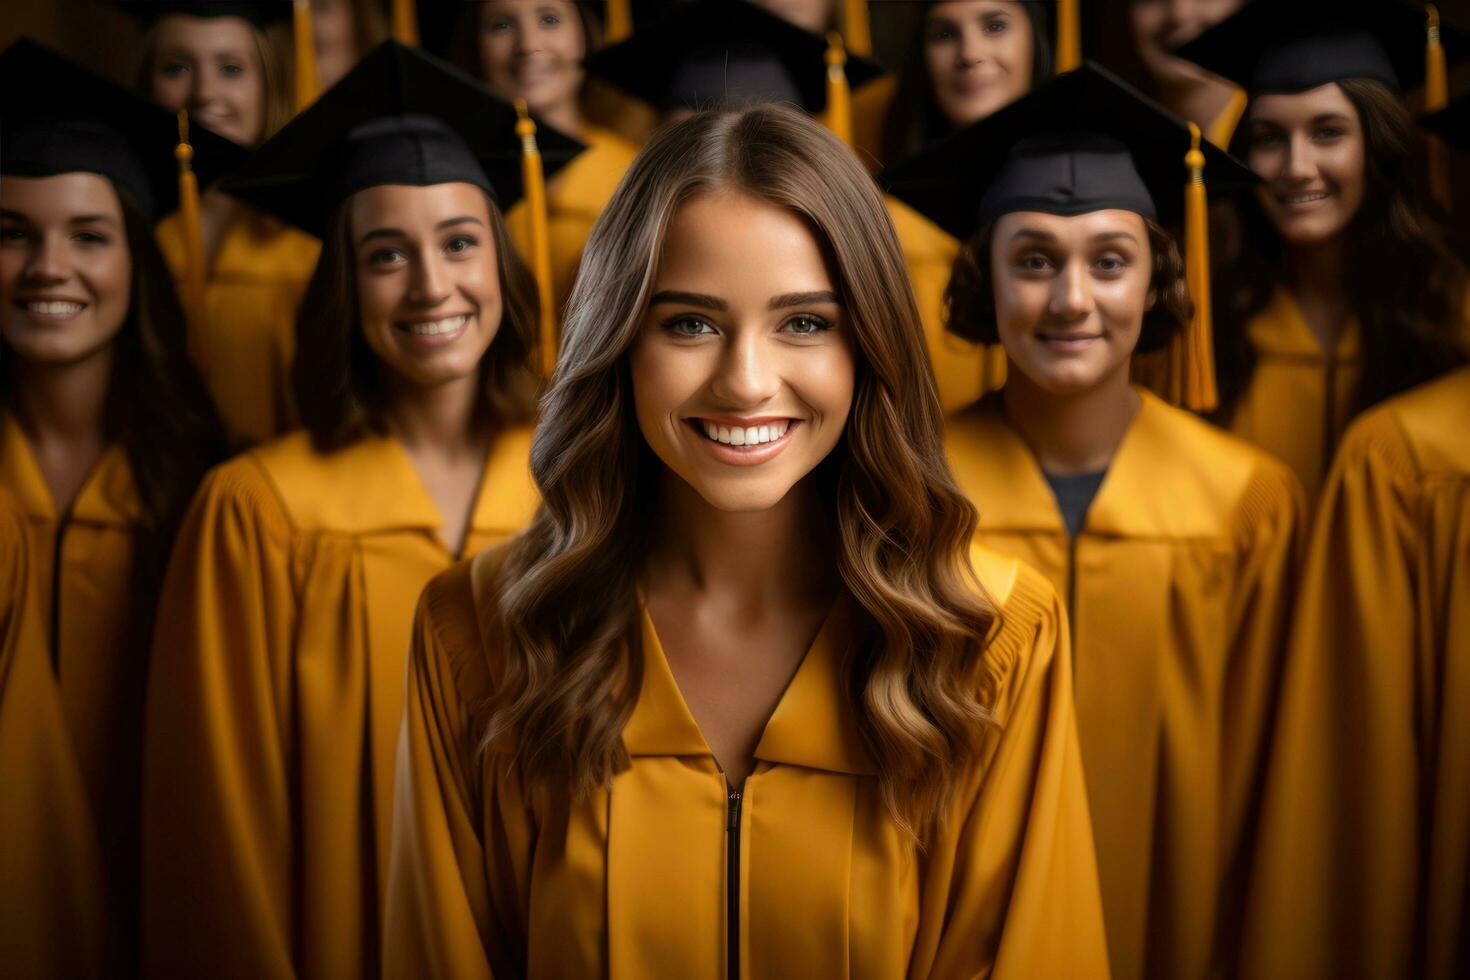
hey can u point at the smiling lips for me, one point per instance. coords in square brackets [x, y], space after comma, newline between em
[442, 328]
[1303, 201]
[50, 310]
[755, 441]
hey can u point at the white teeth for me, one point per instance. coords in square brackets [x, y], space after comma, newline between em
[436, 327]
[57, 308]
[754, 435]
[1307, 198]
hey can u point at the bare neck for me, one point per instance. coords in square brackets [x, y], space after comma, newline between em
[1317, 276]
[1200, 100]
[1071, 434]
[216, 211]
[446, 420]
[566, 117]
[60, 409]
[777, 557]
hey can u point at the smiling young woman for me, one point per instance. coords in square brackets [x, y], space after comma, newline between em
[1173, 544]
[742, 700]
[275, 698]
[1342, 290]
[1365, 844]
[222, 62]
[536, 50]
[104, 432]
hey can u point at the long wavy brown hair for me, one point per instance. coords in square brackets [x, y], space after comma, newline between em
[567, 592]
[1403, 281]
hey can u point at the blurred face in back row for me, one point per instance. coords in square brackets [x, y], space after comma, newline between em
[533, 50]
[979, 54]
[213, 67]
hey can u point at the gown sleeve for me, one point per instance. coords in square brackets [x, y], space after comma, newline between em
[457, 896]
[51, 904]
[1332, 884]
[217, 840]
[1271, 535]
[1011, 889]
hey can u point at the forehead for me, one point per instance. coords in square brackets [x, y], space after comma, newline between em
[1300, 107]
[1071, 228]
[408, 206]
[726, 243]
[971, 8]
[203, 35]
[60, 197]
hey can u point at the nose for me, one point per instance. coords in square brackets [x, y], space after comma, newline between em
[1071, 294]
[747, 375]
[201, 91]
[1300, 164]
[47, 263]
[429, 285]
[972, 46]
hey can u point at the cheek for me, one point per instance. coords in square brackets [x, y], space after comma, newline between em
[1122, 303]
[112, 280]
[378, 296]
[1019, 304]
[1348, 169]
[171, 92]
[825, 379]
[566, 43]
[495, 53]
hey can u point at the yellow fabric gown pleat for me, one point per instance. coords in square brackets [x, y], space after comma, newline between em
[1364, 850]
[276, 697]
[52, 922]
[631, 881]
[82, 579]
[244, 349]
[1180, 588]
[1299, 398]
[575, 198]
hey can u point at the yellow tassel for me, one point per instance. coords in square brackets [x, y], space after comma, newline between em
[839, 98]
[306, 77]
[619, 26]
[1193, 356]
[856, 27]
[406, 22]
[1069, 35]
[193, 232]
[1436, 96]
[534, 179]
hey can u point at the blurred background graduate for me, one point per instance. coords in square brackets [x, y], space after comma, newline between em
[275, 697]
[1365, 840]
[1174, 545]
[1341, 290]
[228, 62]
[105, 429]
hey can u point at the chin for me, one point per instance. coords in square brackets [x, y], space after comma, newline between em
[735, 496]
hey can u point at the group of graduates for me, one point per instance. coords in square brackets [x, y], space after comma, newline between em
[632, 488]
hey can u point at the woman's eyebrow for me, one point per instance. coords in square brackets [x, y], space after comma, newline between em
[689, 299]
[805, 299]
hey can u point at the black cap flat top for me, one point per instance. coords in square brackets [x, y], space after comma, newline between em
[1084, 141]
[58, 117]
[399, 117]
[709, 52]
[1285, 46]
[260, 12]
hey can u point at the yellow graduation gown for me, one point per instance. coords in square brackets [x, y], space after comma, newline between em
[631, 882]
[963, 371]
[244, 349]
[1364, 848]
[1299, 398]
[1179, 590]
[51, 880]
[575, 198]
[81, 571]
[275, 698]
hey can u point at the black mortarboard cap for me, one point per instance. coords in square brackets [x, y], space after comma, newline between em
[58, 117]
[259, 12]
[709, 52]
[1084, 141]
[399, 117]
[1272, 46]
